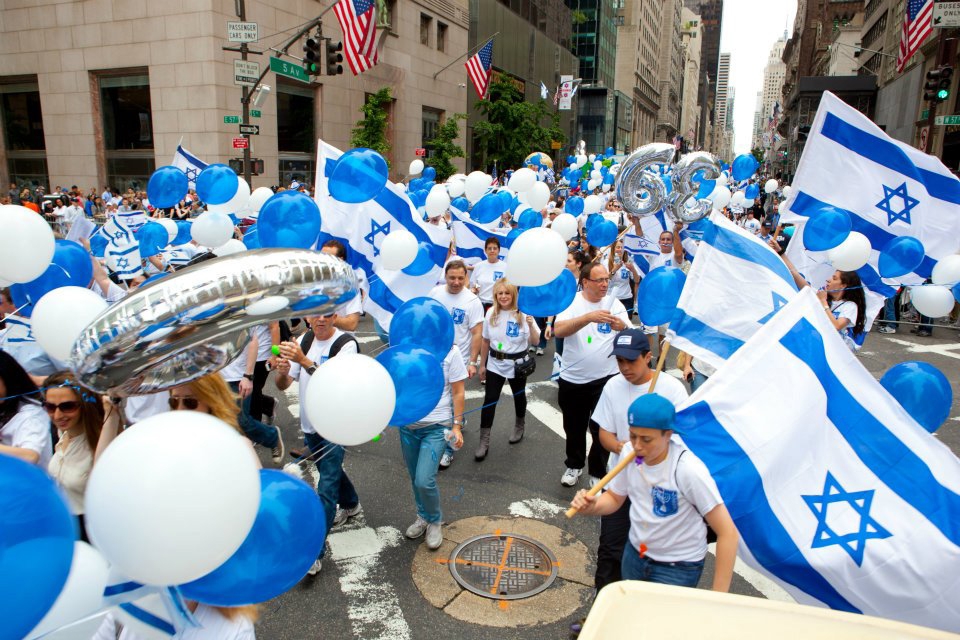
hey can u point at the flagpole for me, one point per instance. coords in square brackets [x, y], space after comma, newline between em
[469, 53]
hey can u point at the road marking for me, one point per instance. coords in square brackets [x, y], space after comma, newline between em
[945, 350]
[366, 339]
[549, 415]
[535, 508]
[770, 589]
[478, 394]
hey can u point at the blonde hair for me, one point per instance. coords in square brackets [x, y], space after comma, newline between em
[504, 285]
[251, 612]
[213, 391]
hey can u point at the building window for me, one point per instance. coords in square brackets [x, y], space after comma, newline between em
[441, 36]
[425, 21]
[23, 134]
[127, 120]
[430, 120]
[296, 132]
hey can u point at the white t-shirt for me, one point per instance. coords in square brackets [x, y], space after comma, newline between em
[211, 625]
[138, 408]
[485, 275]
[846, 309]
[70, 467]
[511, 334]
[586, 353]
[29, 428]
[662, 260]
[264, 341]
[234, 371]
[319, 353]
[467, 312]
[752, 225]
[667, 505]
[454, 370]
[620, 282]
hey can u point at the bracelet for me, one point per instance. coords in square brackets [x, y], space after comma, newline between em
[549, 323]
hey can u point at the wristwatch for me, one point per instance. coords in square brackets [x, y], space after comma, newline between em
[312, 369]
[248, 376]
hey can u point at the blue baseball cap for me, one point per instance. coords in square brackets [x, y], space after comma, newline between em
[630, 344]
[651, 411]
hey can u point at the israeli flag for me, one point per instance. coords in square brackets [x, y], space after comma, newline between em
[362, 228]
[734, 287]
[643, 248]
[470, 238]
[189, 164]
[116, 232]
[845, 500]
[124, 261]
[889, 189]
[132, 220]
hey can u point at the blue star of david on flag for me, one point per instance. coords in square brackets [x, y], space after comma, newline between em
[854, 543]
[375, 230]
[192, 173]
[122, 263]
[886, 205]
[778, 301]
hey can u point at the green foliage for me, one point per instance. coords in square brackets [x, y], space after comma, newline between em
[578, 17]
[371, 129]
[444, 147]
[514, 128]
[757, 153]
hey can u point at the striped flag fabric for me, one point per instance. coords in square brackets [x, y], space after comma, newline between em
[917, 25]
[478, 68]
[358, 22]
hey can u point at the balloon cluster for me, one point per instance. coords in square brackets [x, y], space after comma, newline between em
[588, 172]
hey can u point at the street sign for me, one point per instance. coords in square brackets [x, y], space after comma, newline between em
[420, 152]
[231, 119]
[250, 129]
[246, 72]
[555, 144]
[254, 113]
[242, 31]
[289, 69]
[924, 138]
[241, 143]
[925, 114]
[946, 14]
[942, 120]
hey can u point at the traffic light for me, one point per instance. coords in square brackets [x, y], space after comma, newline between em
[334, 58]
[937, 87]
[946, 80]
[311, 56]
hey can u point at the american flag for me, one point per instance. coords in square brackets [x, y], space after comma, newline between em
[478, 68]
[357, 20]
[917, 22]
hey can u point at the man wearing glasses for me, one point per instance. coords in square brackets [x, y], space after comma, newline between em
[588, 327]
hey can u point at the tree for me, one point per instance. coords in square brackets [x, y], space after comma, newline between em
[514, 128]
[757, 153]
[371, 130]
[444, 147]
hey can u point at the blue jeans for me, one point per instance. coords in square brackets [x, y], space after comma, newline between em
[262, 434]
[681, 574]
[890, 312]
[421, 450]
[333, 486]
[697, 382]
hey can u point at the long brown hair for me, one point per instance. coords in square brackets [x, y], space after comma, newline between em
[91, 404]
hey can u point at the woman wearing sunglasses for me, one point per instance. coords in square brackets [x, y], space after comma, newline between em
[24, 427]
[209, 394]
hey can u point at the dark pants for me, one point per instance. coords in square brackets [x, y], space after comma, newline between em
[614, 530]
[260, 404]
[577, 402]
[333, 487]
[492, 397]
[628, 305]
[542, 323]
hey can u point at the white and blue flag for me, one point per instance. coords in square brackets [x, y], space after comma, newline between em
[646, 247]
[470, 238]
[189, 164]
[124, 260]
[734, 287]
[837, 493]
[362, 228]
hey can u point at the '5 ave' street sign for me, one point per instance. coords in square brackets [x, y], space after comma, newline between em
[288, 69]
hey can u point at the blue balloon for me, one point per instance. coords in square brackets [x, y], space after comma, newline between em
[922, 390]
[592, 219]
[548, 299]
[153, 238]
[70, 267]
[423, 263]
[36, 545]
[609, 152]
[609, 178]
[571, 160]
[358, 176]
[706, 188]
[507, 199]
[900, 256]
[417, 198]
[415, 185]
[422, 197]
[288, 219]
[415, 373]
[487, 209]
[956, 291]
[752, 192]
[658, 294]
[251, 239]
[425, 323]
[667, 183]
[167, 186]
[744, 166]
[826, 229]
[602, 234]
[183, 233]
[573, 205]
[512, 235]
[428, 185]
[429, 173]
[277, 552]
[529, 219]
[217, 184]
[460, 204]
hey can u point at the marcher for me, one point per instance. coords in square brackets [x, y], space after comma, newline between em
[486, 273]
[24, 426]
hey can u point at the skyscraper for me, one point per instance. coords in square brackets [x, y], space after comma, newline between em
[711, 20]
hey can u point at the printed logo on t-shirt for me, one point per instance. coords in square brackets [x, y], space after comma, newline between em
[624, 274]
[459, 315]
[603, 327]
[665, 502]
[497, 275]
[513, 329]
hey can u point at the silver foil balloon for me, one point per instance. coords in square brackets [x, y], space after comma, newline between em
[582, 148]
[642, 192]
[194, 322]
[684, 205]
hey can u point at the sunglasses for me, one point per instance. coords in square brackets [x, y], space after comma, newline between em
[190, 404]
[65, 407]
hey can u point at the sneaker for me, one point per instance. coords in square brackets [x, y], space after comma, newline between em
[531, 350]
[314, 568]
[278, 450]
[299, 453]
[343, 515]
[446, 460]
[417, 529]
[539, 351]
[924, 334]
[570, 477]
[887, 329]
[434, 535]
[593, 480]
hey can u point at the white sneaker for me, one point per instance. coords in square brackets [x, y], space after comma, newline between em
[446, 460]
[434, 535]
[887, 329]
[570, 477]
[343, 515]
[276, 453]
[593, 480]
[315, 568]
[539, 351]
[417, 529]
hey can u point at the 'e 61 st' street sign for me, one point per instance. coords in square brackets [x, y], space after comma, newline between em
[946, 14]
[289, 69]
[242, 31]
[246, 72]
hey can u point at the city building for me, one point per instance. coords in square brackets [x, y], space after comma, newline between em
[756, 139]
[638, 63]
[772, 95]
[669, 76]
[723, 79]
[711, 21]
[691, 36]
[843, 39]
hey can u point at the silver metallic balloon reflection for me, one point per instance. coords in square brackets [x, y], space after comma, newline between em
[641, 192]
[194, 322]
[684, 205]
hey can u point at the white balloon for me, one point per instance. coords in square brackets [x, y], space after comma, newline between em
[747, 203]
[720, 196]
[536, 257]
[947, 271]
[438, 201]
[852, 253]
[581, 160]
[932, 300]
[737, 199]
[538, 196]
[476, 185]
[26, 244]
[597, 164]
[604, 187]
[787, 191]
[173, 499]
[240, 199]
[61, 315]
[416, 167]
[722, 179]
[592, 157]
[212, 229]
[593, 184]
[522, 179]
[595, 175]
[566, 225]
[771, 186]
[170, 226]
[398, 250]
[82, 595]
[230, 247]
[258, 197]
[592, 204]
[455, 188]
[350, 399]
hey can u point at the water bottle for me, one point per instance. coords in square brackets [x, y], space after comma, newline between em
[451, 439]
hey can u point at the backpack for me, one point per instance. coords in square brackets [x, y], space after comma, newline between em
[338, 344]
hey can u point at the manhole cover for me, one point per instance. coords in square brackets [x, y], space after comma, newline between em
[503, 567]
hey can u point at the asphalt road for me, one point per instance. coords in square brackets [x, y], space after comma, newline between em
[366, 588]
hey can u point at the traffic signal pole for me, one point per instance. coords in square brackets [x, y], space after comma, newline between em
[932, 109]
